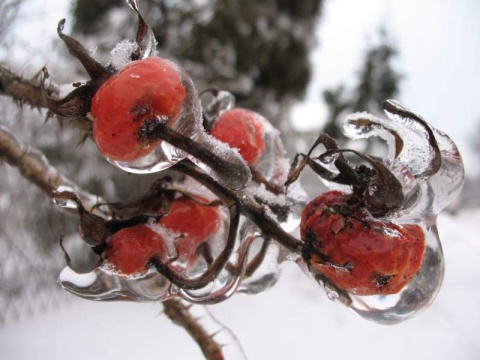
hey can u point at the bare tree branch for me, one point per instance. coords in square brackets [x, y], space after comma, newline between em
[35, 167]
[21, 90]
[24, 91]
[179, 313]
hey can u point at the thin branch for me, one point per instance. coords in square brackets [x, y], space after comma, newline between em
[179, 313]
[35, 167]
[21, 90]
[25, 91]
[248, 206]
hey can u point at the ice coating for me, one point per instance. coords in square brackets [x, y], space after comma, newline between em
[415, 297]
[165, 155]
[227, 282]
[409, 147]
[267, 273]
[224, 337]
[103, 283]
[429, 168]
[120, 56]
[62, 201]
[222, 100]
[221, 162]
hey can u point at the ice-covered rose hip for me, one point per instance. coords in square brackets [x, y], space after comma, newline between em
[129, 250]
[144, 91]
[241, 129]
[192, 224]
[358, 253]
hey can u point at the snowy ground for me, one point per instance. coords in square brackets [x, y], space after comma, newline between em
[294, 320]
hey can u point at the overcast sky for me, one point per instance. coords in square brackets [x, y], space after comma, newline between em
[439, 54]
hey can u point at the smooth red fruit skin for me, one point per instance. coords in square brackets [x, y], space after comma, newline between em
[357, 253]
[130, 249]
[194, 223]
[142, 91]
[241, 129]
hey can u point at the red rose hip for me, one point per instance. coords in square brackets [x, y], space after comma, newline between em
[356, 252]
[194, 223]
[130, 249]
[143, 91]
[241, 129]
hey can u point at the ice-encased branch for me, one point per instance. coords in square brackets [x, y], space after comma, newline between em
[25, 91]
[35, 167]
[204, 328]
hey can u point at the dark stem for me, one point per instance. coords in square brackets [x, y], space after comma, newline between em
[247, 206]
[179, 313]
[215, 268]
[200, 151]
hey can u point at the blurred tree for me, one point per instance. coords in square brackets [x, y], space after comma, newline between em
[377, 81]
[8, 13]
[258, 50]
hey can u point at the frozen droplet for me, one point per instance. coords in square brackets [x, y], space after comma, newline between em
[416, 296]
[268, 270]
[105, 284]
[65, 197]
[221, 100]
[329, 157]
[228, 280]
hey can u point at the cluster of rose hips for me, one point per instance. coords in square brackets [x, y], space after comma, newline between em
[346, 240]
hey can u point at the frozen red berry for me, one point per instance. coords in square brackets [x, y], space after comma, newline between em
[129, 250]
[144, 91]
[356, 252]
[192, 223]
[241, 129]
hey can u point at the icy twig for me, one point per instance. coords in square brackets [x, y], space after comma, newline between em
[35, 167]
[203, 328]
[24, 91]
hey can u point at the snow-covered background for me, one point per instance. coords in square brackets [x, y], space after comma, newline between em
[294, 320]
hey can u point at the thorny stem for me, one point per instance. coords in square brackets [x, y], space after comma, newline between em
[24, 91]
[34, 167]
[180, 314]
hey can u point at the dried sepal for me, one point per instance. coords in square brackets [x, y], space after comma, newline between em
[75, 104]
[95, 70]
[145, 38]
[435, 164]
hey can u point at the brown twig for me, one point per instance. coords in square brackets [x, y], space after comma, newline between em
[24, 91]
[35, 167]
[179, 313]
[20, 89]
